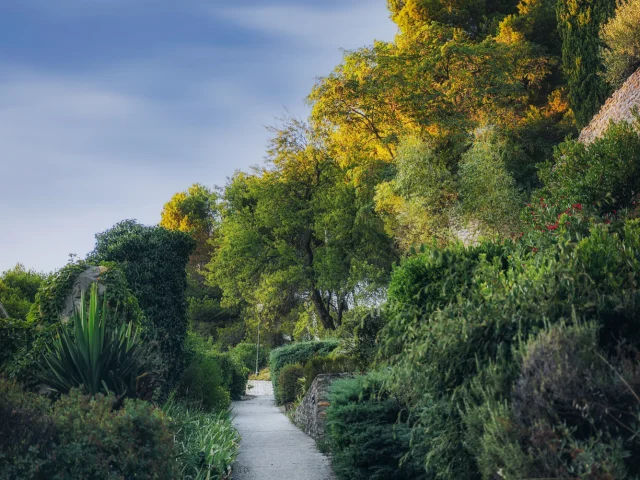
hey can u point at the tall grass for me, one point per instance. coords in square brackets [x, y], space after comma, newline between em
[206, 443]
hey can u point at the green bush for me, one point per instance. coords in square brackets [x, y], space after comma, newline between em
[296, 353]
[607, 170]
[621, 36]
[202, 384]
[583, 275]
[245, 354]
[230, 335]
[153, 260]
[328, 364]
[206, 443]
[368, 434]
[99, 356]
[234, 374]
[289, 384]
[81, 437]
[359, 331]
[18, 288]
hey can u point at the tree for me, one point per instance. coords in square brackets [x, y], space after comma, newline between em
[193, 212]
[621, 35]
[18, 288]
[298, 233]
[579, 23]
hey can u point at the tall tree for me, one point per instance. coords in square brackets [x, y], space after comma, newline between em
[579, 23]
[193, 212]
[297, 233]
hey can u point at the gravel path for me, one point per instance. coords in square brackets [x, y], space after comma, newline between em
[272, 447]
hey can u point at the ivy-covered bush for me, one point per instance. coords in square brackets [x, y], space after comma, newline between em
[290, 386]
[154, 261]
[81, 437]
[368, 433]
[296, 353]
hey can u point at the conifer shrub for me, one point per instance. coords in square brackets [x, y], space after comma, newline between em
[296, 353]
[290, 385]
[368, 433]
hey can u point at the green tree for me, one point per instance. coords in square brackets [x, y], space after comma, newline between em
[298, 232]
[621, 35]
[18, 288]
[193, 212]
[579, 23]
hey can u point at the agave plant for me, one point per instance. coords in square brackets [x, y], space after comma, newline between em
[95, 353]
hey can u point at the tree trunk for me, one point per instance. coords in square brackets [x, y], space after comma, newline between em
[321, 309]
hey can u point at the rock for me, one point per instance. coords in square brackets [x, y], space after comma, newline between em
[81, 284]
[618, 108]
[311, 413]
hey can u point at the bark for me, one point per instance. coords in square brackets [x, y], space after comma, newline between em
[321, 309]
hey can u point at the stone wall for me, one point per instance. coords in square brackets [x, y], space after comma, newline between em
[311, 414]
[619, 107]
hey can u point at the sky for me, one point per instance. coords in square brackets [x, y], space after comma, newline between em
[109, 107]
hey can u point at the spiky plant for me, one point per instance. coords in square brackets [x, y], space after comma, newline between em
[95, 353]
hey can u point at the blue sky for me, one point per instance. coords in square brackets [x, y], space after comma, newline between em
[108, 107]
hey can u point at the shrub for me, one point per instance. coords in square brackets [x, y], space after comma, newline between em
[82, 437]
[327, 364]
[577, 276]
[201, 383]
[245, 354]
[206, 444]
[621, 35]
[571, 411]
[154, 260]
[234, 374]
[296, 353]
[607, 170]
[368, 434]
[230, 335]
[358, 333]
[18, 288]
[289, 384]
[97, 357]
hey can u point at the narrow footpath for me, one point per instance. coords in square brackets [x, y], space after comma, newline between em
[273, 448]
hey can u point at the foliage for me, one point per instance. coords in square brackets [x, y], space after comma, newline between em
[296, 353]
[99, 356]
[193, 212]
[290, 385]
[607, 170]
[82, 437]
[579, 25]
[18, 288]
[206, 444]
[264, 374]
[245, 355]
[229, 336]
[328, 364]
[455, 320]
[153, 260]
[367, 432]
[359, 332]
[296, 233]
[488, 192]
[621, 36]
[201, 383]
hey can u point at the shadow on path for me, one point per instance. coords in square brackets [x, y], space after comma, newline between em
[272, 447]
